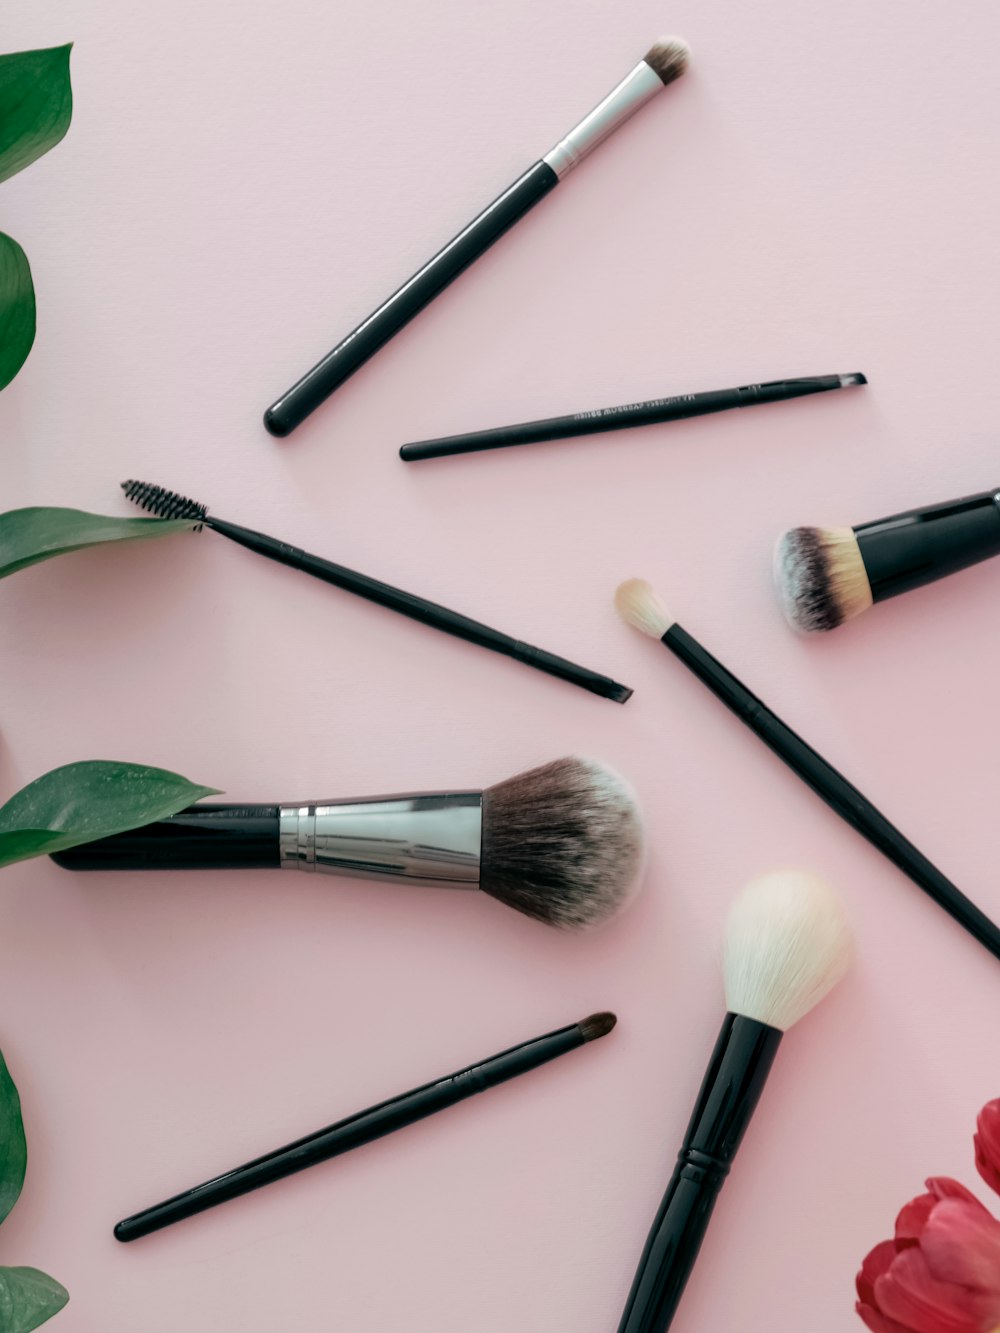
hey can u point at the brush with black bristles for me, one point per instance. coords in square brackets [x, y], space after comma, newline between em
[639, 605]
[168, 504]
[664, 62]
[367, 1126]
[826, 576]
[561, 843]
[787, 945]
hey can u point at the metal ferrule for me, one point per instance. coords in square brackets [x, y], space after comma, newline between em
[436, 839]
[634, 91]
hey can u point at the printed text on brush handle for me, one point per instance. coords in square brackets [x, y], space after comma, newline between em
[855, 808]
[292, 408]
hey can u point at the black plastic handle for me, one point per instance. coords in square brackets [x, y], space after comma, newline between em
[292, 408]
[210, 836]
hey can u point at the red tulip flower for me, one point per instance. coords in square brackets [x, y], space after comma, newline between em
[941, 1271]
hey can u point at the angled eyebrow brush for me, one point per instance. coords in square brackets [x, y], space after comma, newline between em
[168, 504]
[664, 62]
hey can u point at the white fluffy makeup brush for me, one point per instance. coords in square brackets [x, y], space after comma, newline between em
[787, 945]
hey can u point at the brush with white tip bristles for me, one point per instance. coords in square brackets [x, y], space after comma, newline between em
[562, 843]
[787, 945]
[826, 576]
[638, 604]
[664, 62]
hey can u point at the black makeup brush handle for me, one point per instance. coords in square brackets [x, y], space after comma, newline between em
[418, 608]
[911, 549]
[842, 796]
[729, 1094]
[209, 836]
[676, 408]
[292, 408]
[352, 1132]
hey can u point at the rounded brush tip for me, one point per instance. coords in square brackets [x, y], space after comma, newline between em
[597, 1025]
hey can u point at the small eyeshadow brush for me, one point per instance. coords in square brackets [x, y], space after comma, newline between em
[788, 944]
[365, 1126]
[602, 419]
[640, 607]
[664, 62]
[168, 504]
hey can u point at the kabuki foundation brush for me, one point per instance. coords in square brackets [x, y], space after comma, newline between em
[562, 843]
[828, 575]
[602, 419]
[365, 1126]
[662, 64]
[168, 504]
[787, 945]
[639, 605]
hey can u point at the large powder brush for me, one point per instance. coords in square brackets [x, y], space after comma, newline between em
[562, 843]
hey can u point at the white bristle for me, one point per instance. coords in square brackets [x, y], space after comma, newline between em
[638, 605]
[788, 943]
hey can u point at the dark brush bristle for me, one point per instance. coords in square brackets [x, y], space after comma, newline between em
[668, 58]
[562, 843]
[597, 1025]
[802, 570]
[163, 503]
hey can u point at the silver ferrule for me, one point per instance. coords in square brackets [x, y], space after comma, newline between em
[436, 838]
[635, 90]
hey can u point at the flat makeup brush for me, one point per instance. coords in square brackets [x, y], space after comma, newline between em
[662, 64]
[787, 945]
[168, 504]
[603, 419]
[639, 605]
[365, 1126]
[828, 575]
[562, 843]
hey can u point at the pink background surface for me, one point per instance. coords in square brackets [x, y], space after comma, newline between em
[241, 185]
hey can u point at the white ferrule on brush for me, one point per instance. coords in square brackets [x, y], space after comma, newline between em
[638, 87]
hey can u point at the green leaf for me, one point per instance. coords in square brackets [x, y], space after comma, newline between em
[30, 535]
[36, 105]
[17, 309]
[28, 1298]
[13, 1149]
[89, 800]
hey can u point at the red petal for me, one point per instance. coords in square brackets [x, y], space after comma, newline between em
[913, 1218]
[943, 1187]
[876, 1263]
[910, 1295]
[987, 1141]
[962, 1245]
[878, 1322]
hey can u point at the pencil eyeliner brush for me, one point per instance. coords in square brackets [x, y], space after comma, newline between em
[664, 62]
[168, 504]
[597, 422]
[365, 1126]
[638, 604]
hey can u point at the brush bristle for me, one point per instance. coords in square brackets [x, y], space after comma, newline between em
[668, 58]
[165, 504]
[638, 605]
[597, 1025]
[562, 843]
[788, 943]
[821, 577]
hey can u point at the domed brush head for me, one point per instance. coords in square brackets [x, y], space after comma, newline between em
[668, 58]
[821, 578]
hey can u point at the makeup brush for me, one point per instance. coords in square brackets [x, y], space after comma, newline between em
[639, 605]
[603, 419]
[787, 945]
[562, 843]
[365, 1126]
[828, 575]
[664, 62]
[168, 504]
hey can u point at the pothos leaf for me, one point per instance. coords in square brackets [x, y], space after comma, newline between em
[13, 1148]
[17, 309]
[28, 1298]
[36, 105]
[28, 536]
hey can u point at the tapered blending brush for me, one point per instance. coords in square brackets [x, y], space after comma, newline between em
[664, 62]
[168, 504]
[639, 605]
[826, 576]
[366, 1126]
[562, 843]
[787, 945]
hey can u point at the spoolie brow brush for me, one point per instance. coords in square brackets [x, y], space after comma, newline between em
[638, 604]
[664, 62]
[168, 504]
